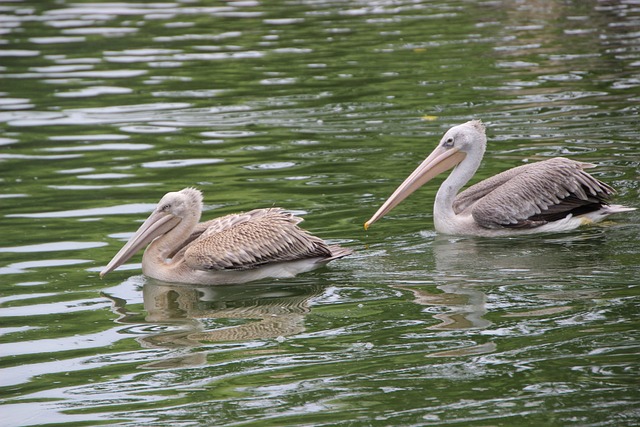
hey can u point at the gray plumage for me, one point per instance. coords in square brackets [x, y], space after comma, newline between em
[548, 196]
[534, 194]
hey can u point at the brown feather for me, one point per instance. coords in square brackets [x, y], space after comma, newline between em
[246, 241]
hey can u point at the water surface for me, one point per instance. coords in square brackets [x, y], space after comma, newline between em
[322, 108]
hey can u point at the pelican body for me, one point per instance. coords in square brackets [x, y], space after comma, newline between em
[547, 196]
[235, 248]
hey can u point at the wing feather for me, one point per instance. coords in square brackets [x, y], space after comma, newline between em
[471, 195]
[534, 194]
[245, 241]
[216, 225]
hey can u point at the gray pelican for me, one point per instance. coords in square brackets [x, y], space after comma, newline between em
[235, 248]
[547, 196]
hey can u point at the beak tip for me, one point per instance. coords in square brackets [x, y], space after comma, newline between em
[366, 225]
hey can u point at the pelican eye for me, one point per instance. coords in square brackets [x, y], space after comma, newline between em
[166, 207]
[448, 142]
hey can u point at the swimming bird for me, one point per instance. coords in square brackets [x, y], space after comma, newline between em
[235, 248]
[547, 196]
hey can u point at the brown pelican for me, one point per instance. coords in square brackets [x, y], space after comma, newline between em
[234, 248]
[551, 195]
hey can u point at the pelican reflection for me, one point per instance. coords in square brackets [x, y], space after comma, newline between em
[181, 317]
[227, 313]
[465, 266]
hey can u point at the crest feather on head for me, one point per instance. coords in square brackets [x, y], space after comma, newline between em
[192, 193]
[477, 124]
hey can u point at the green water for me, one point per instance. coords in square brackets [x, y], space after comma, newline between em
[322, 108]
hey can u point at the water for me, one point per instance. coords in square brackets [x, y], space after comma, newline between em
[322, 108]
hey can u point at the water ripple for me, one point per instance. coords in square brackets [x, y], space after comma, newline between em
[112, 74]
[53, 247]
[148, 129]
[272, 166]
[101, 147]
[131, 208]
[57, 39]
[180, 163]
[94, 91]
[24, 267]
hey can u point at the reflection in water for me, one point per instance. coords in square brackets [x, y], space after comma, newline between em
[466, 305]
[545, 257]
[272, 312]
[195, 314]
[464, 301]
[463, 266]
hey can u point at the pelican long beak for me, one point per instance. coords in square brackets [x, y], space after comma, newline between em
[157, 224]
[440, 160]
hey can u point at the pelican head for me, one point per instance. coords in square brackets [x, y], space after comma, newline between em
[466, 139]
[181, 203]
[172, 209]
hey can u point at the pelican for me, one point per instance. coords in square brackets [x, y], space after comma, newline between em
[235, 248]
[547, 196]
